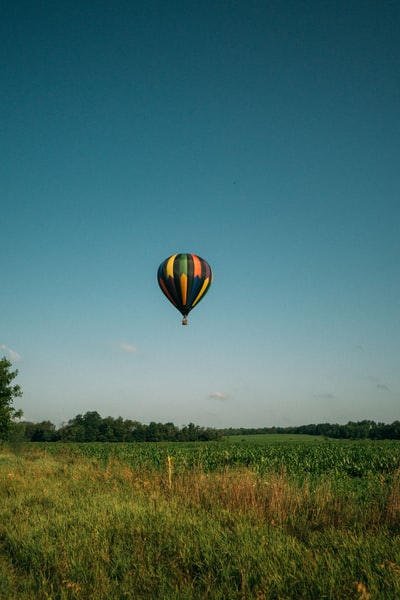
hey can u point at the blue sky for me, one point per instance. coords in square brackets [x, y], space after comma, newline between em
[263, 136]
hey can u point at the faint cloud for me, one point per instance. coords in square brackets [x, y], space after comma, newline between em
[126, 347]
[219, 395]
[377, 383]
[11, 353]
[358, 348]
[324, 396]
[383, 387]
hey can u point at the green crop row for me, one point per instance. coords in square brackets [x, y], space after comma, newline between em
[355, 459]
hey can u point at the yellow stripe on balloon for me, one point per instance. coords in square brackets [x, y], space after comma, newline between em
[184, 287]
[170, 266]
[202, 291]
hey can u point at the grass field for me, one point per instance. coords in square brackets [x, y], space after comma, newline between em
[272, 520]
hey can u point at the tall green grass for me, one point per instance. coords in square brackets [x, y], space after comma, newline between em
[84, 527]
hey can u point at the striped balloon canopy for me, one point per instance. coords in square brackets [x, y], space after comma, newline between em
[184, 279]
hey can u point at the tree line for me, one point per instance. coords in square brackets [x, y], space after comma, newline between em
[352, 430]
[91, 427]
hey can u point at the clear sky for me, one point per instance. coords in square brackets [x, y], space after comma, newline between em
[263, 135]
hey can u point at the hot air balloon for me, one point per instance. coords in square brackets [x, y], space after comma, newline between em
[184, 279]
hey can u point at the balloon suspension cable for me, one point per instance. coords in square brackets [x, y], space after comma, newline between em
[184, 320]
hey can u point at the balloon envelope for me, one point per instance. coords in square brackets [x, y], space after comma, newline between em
[184, 279]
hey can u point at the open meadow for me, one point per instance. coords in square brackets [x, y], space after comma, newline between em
[270, 518]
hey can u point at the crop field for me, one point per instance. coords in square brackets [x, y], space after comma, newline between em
[266, 518]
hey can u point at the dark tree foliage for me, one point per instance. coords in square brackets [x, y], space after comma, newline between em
[7, 394]
[40, 432]
[351, 431]
[91, 427]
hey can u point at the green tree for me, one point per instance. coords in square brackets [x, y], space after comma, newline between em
[40, 432]
[91, 422]
[7, 394]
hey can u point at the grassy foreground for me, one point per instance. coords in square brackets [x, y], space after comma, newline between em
[76, 527]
